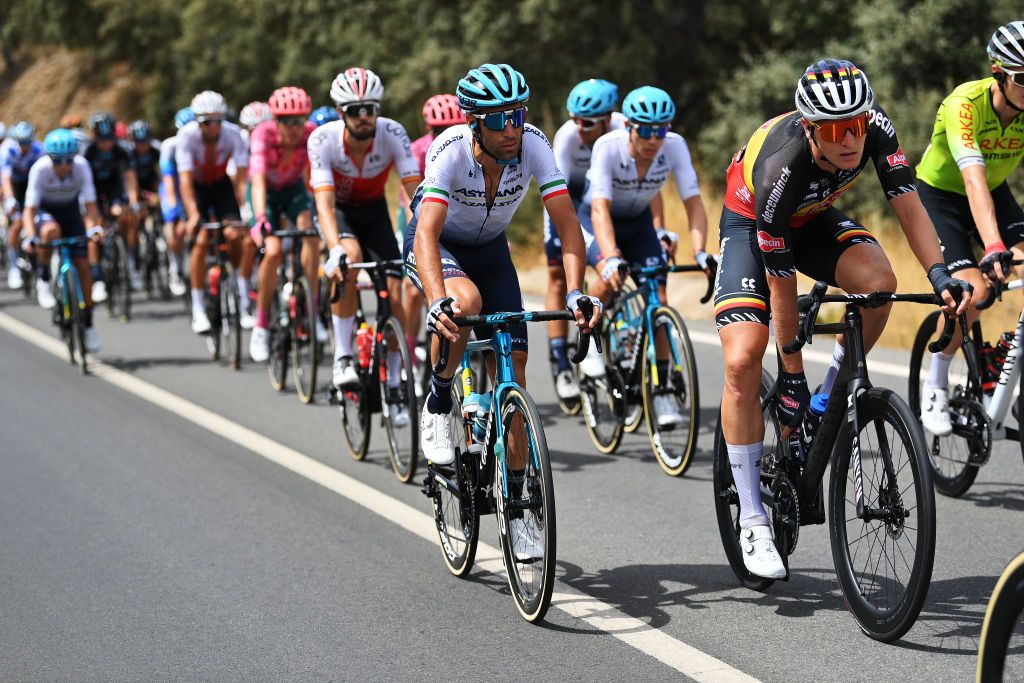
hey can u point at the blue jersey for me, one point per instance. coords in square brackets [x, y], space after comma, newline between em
[14, 164]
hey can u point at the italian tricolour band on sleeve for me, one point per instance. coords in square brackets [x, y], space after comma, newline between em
[436, 194]
[553, 189]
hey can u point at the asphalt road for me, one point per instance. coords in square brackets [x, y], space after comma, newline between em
[138, 544]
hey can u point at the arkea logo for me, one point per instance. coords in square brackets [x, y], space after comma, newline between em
[897, 159]
[769, 243]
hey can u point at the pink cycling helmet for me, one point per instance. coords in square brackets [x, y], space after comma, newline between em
[443, 110]
[290, 101]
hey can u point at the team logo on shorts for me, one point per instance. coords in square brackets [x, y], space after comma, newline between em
[769, 243]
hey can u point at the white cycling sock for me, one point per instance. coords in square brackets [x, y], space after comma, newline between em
[394, 369]
[197, 300]
[838, 353]
[746, 472]
[938, 373]
[172, 266]
[243, 291]
[342, 335]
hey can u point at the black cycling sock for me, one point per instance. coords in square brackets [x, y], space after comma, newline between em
[44, 272]
[87, 317]
[516, 479]
[97, 273]
[662, 371]
[439, 402]
[559, 353]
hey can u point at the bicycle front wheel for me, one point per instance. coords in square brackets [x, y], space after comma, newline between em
[122, 290]
[398, 400]
[453, 493]
[76, 323]
[883, 560]
[670, 393]
[949, 457]
[303, 338]
[526, 506]
[280, 343]
[603, 401]
[231, 316]
[1002, 622]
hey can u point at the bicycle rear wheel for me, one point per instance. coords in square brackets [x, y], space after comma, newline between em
[884, 562]
[949, 457]
[280, 343]
[231, 320]
[303, 339]
[453, 494]
[526, 506]
[673, 432]
[354, 409]
[1002, 622]
[603, 401]
[568, 406]
[121, 289]
[398, 400]
[727, 500]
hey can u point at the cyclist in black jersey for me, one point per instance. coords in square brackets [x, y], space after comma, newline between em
[779, 219]
[145, 156]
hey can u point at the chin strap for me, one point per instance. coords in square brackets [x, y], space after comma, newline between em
[1002, 89]
[501, 162]
[814, 140]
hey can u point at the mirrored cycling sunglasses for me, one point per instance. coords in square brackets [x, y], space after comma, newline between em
[645, 132]
[497, 120]
[292, 121]
[835, 131]
[209, 120]
[1017, 77]
[588, 122]
[62, 160]
[357, 109]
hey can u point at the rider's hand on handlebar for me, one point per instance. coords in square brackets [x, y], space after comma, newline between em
[610, 271]
[995, 264]
[669, 242]
[28, 243]
[794, 396]
[573, 300]
[950, 289]
[706, 261]
[260, 229]
[438, 320]
[95, 233]
[332, 268]
[11, 204]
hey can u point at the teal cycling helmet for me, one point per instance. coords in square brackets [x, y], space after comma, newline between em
[60, 142]
[649, 105]
[594, 97]
[184, 115]
[22, 132]
[491, 85]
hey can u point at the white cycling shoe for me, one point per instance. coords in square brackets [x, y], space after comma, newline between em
[259, 345]
[92, 341]
[44, 294]
[177, 285]
[99, 292]
[565, 385]
[398, 415]
[759, 554]
[14, 278]
[436, 437]
[666, 411]
[527, 543]
[322, 336]
[935, 411]
[200, 322]
[344, 374]
[593, 365]
[246, 320]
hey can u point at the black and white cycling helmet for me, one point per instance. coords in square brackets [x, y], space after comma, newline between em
[1006, 48]
[833, 89]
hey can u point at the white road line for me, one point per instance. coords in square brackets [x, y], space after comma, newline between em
[682, 657]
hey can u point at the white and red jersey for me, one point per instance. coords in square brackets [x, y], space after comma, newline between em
[332, 167]
[210, 163]
[267, 158]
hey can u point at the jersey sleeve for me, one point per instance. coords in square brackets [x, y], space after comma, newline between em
[258, 151]
[33, 191]
[125, 157]
[318, 149]
[401, 152]
[775, 199]
[562, 148]
[183, 154]
[685, 174]
[550, 179]
[437, 182]
[167, 165]
[88, 186]
[894, 171]
[240, 151]
[5, 159]
[599, 175]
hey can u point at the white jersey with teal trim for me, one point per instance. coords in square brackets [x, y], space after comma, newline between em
[455, 179]
[44, 185]
[613, 175]
[573, 155]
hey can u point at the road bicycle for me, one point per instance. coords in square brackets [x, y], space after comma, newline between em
[70, 308]
[881, 505]
[384, 387]
[1002, 621]
[221, 297]
[114, 265]
[501, 466]
[293, 317]
[154, 256]
[978, 409]
[637, 326]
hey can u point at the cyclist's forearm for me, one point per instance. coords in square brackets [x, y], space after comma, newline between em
[258, 192]
[570, 234]
[188, 195]
[698, 219]
[428, 267]
[604, 229]
[983, 209]
[28, 223]
[8, 186]
[131, 182]
[324, 198]
[785, 318]
[658, 212]
[170, 192]
[241, 178]
[92, 215]
[918, 228]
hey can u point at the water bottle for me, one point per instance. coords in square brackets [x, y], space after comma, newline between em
[812, 418]
[214, 278]
[483, 411]
[364, 343]
[285, 307]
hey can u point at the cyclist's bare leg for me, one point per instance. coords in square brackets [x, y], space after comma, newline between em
[268, 277]
[743, 346]
[85, 277]
[48, 232]
[555, 300]
[197, 260]
[863, 269]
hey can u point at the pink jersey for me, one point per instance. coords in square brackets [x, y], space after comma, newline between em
[267, 158]
[419, 149]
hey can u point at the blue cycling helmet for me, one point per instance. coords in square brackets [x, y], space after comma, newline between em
[60, 142]
[184, 115]
[22, 132]
[594, 97]
[491, 85]
[324, 114]
[103, 126]
[647, 105]
[140, 131]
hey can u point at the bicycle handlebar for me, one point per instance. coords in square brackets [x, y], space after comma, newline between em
[995, 293]
[666, 268]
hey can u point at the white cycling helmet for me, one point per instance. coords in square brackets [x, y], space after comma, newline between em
[1006, 48]
[833, 89]
[356, 85]
[209, 103]
[254, 113]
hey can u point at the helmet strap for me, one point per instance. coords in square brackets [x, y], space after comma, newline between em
[1000, 77]
[478, 136]
[821, 153]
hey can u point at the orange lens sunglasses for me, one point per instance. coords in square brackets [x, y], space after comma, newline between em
[835, 131]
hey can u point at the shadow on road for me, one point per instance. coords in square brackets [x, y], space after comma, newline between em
[1003, 495]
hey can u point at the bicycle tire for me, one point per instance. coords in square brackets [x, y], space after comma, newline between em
[77, 324]
[279, 342]
[231, 313]
[952, 473]
[603, 401]
[568, 406]
[531, 589]
[302, 330]
[456, 515]
[1001, 616]
[122, 291]
[67, 308]
[878, 408]
[727, 501]
[354, 410]
[403, 452]
[673, 453]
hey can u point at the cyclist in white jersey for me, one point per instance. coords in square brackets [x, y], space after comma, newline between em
[350, 161]
[56, 182]
[205, 148]
[627, 170]
[455, 247]
[591, 105]
[171, 206]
